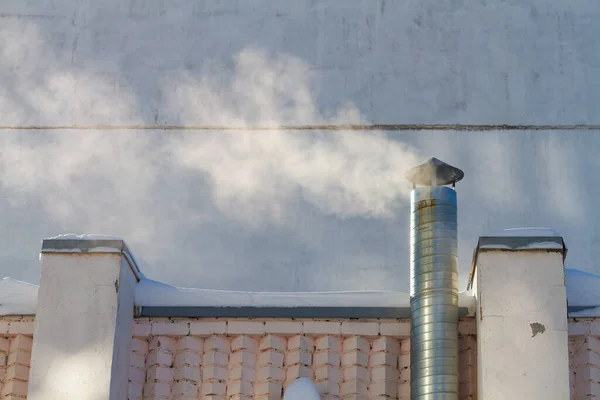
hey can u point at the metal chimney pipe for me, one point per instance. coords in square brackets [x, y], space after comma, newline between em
[434, 282]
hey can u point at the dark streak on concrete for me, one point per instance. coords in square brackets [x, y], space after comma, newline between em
[536, 328]
[374, 127]
[30, 16]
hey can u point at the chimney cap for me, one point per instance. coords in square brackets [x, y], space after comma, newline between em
[434, 172]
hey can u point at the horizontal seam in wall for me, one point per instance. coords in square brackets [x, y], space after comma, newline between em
[359, 127]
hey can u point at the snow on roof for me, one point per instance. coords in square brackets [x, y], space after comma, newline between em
[73, 236]
[525, 232]
[583, 288]
[20, 298]
[301, 389]
[17, 297]
[152, 293]
[583, 292]
[522, 239]
[531, 245]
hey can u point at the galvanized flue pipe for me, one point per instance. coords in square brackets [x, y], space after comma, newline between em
[434, 284]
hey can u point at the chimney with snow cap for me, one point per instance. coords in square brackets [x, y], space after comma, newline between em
[518, 279]
[434, 281]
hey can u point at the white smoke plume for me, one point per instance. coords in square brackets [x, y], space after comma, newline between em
[148, 185]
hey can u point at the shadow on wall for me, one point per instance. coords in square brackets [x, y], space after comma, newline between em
[309, 210]
[75, 367]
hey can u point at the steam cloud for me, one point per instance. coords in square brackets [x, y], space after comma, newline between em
[131, 183]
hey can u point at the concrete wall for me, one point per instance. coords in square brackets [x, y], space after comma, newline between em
[306, 226]
[313, 211]
[477, 62]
